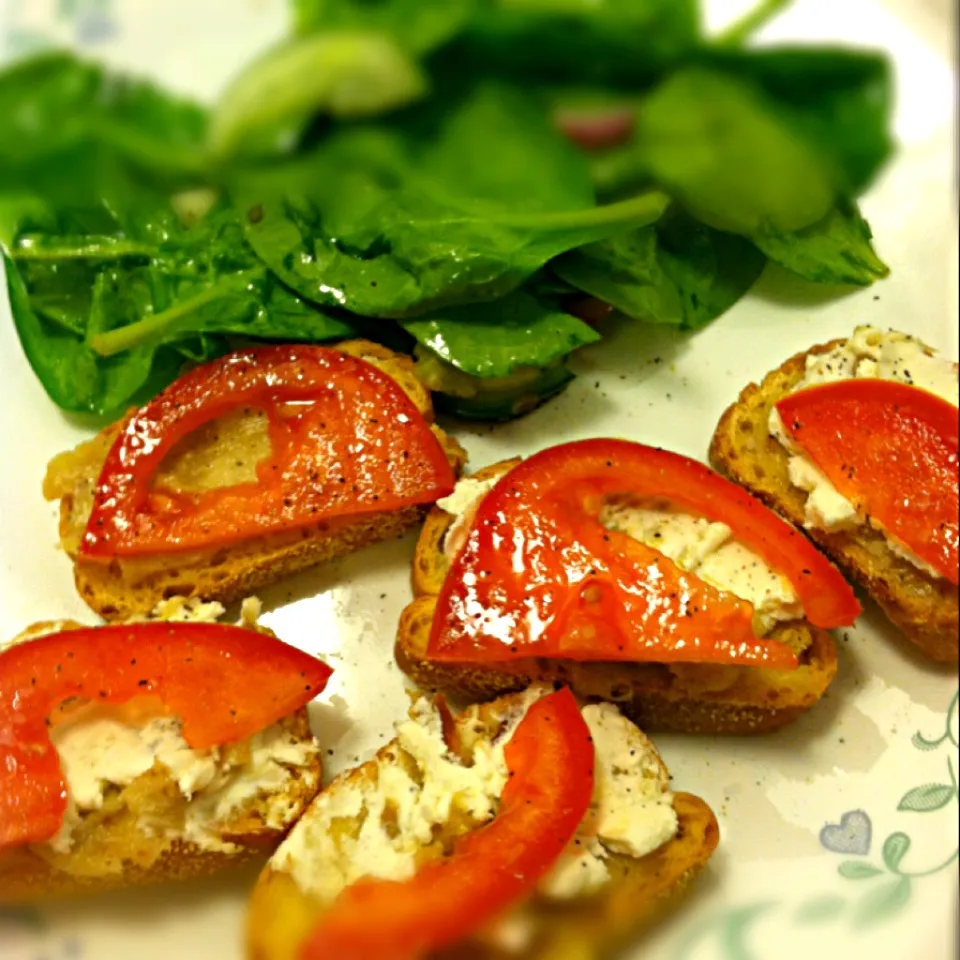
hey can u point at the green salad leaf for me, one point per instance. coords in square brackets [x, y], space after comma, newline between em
[720, 147]
[495, 340]
[340, 73]
[72, 374]
[617, 42]
[397, 220]
[836, 249]
[102, 317]
[677, 272]
[54, 103]
[438, 175]
[838, 98]
[417, 25]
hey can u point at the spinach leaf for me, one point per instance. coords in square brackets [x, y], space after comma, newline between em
[396, 220]
[618, 42]
[677, 272]
[718, 144]
[418, 25]
[489, 398]
[101, 318]
[53, 103]
[840, 99]
[836, 249]
[753, 20]
[75, 378]
[497, 339]
[340, 73]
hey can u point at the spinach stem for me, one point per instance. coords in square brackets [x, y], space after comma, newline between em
[126, 338]
[739, 32]
[106, 249]
[638, 211]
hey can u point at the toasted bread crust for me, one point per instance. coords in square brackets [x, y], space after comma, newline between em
[923, 607]
[709, 700]
[641, 891]
[124, 854]
[231, 573]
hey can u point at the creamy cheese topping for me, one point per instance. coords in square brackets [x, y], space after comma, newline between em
[631, 812]
[708, 549]
[378, 824]
[100, 748]
[874, 354]
[693, 543]
[462, 505]
[98, 751]
[195, 610]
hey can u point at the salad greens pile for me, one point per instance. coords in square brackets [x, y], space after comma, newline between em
[454, 177]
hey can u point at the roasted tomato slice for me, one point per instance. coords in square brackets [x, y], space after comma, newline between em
[890, 449]
[539, 576]
[346, 440]
[224, 683]
[550, 759]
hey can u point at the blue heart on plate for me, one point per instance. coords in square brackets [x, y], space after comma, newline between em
[851, 835]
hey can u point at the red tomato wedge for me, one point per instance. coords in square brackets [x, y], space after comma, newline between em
[224, 683]
[539, 576]
[550, 758]
[890, 449]
[346, 441]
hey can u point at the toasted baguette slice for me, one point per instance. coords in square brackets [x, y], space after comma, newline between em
[224, 452]
[686, 698]
[125, 843]
[138, 835]
[923, 607]
[588, 926]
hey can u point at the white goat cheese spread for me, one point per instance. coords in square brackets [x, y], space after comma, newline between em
[98, 751]
[101, 748]
[873, 354]
[631, 812]
[694, 544]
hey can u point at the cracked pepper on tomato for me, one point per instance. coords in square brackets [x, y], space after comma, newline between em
[891, 449]
[223, 684]
[540, 576]
[345, 439]
[550, 762]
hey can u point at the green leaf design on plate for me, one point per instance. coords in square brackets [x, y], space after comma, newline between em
[931, 796]
[855, 870]
[820, 909]
[895, 848]
[922, 743]
[883, 902]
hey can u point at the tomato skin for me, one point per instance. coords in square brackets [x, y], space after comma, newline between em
[224, 683]
[359, 445]
[890, 449]
[539, 576]
[551, 760]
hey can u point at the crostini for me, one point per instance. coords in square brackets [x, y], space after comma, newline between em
[249, 468]
[855, 441]
[532, 826]
[634, 575]
[151, 751]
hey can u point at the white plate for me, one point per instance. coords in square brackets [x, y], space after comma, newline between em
[796, 808]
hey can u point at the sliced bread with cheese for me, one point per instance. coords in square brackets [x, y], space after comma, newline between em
[632, 858]
[144, 807]
[220, 454]
[689, 698]
[750, 447]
